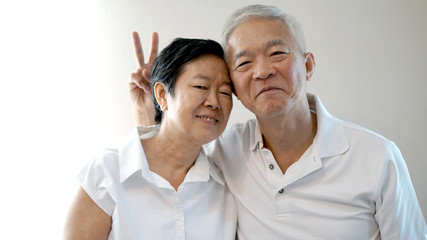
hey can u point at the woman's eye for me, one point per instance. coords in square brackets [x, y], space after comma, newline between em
[200, 87]
[226, 93]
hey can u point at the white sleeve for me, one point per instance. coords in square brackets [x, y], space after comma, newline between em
[398, 212]
[97, 179]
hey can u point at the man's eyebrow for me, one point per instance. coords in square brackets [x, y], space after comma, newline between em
[239, 55]
[275, 42]
[271, 43]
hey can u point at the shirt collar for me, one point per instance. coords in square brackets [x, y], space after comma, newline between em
[330, 138]
[202, 169]
[132, 159]
[256, 140]
[131, 154]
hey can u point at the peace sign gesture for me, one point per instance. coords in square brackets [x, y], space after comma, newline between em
[140, 94]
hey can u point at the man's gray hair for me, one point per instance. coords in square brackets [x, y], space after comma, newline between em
[266, 12]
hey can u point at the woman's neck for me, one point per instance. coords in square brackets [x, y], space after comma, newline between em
[170, 156]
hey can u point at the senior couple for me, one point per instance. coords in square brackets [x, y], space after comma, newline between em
[294, 172]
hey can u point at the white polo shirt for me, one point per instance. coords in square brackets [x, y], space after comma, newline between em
[143, 205]
[350, 184]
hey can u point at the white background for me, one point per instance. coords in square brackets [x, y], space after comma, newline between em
[64, 66]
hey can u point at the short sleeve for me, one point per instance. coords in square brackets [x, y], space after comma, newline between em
[398, 213]
[97, 178]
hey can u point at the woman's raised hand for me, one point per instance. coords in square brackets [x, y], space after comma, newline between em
[140, 94]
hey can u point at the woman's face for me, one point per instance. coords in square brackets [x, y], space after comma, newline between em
[202, 102]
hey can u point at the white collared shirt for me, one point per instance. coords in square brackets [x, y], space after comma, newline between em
[350, 184]
[143, 205]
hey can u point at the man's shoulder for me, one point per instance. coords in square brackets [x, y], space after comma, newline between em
[235, 137]
[239, 129]
[361, 131]
[366, 137]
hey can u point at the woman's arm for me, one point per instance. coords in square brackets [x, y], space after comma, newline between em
[86, 220]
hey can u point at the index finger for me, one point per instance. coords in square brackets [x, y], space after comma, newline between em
[154, 47]
[138, 49]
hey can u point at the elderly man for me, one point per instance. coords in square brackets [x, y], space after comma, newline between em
[295, 171]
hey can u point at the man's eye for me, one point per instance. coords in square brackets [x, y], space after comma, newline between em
[200, 87]
[243, 63]
[242, 67]
[278, 53]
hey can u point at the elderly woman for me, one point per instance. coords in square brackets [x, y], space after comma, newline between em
[159, 184]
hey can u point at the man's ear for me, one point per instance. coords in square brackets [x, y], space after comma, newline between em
[310, 64]
[160, 93]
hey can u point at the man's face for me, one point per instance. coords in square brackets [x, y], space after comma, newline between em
[267, 68]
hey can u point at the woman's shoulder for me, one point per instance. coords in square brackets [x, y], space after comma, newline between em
[104, 167]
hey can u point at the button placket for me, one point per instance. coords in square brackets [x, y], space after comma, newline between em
[273, 174]
[179, 214]
[283, 202]
[180, 226]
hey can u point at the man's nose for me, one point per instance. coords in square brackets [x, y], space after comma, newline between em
[264, 69]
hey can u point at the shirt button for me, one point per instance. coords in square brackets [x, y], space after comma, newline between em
[271, 166]
[281, 191]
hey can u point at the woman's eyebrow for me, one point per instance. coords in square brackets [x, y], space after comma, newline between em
[201, 76]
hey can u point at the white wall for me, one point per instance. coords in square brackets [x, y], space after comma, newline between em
[65, 64]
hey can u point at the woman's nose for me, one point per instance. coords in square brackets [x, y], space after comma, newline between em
[212, 101]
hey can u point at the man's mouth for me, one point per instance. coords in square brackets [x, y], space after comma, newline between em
[266, 90]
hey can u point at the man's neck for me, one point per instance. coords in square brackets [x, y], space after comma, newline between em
[288, 137]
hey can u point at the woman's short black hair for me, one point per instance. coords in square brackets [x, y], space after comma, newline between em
[171, 60]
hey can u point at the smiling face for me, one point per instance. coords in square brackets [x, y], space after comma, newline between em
[267, 68]
[201, 104]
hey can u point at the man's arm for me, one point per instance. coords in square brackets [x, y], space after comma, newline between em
[398, 212]
[140, 94]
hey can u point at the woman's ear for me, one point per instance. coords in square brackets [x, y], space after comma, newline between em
[160, 93]
[310, 64]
